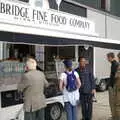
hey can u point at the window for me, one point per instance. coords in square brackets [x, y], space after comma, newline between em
[39, 3]
[68, 7]
[103, 4]
[24, 0]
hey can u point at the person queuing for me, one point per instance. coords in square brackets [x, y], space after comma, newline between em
[69, 85]
[87, 90]
[117, 92]
[32, 85]
[111, 85]
[118, 55]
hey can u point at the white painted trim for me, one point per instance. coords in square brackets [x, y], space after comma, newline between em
[8, 87]
[57, 99]
[108, 5]
[46, 32]
[76, 52]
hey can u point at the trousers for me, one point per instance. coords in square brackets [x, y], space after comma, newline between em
[87, 106]
[71, 111]
[111, 91]
[36, 115]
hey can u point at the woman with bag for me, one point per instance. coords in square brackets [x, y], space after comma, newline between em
[69, 85]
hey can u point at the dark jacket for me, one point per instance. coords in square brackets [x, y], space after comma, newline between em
[114, 67]
[87, 80]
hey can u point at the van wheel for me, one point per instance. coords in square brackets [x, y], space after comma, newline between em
[54, 111]
[103, 85]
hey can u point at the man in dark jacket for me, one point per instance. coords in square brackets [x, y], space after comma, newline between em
[87, 89]
[114, 67]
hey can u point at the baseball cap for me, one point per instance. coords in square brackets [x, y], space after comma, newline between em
[67, 63]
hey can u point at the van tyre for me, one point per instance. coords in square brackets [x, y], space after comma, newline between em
[54, 111]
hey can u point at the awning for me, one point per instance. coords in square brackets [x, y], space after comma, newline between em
[19, 38]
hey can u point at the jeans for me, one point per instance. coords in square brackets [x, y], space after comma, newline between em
[36, 115]
[71, 111]
[86, 104]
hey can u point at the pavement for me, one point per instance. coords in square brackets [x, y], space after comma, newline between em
[101, 109]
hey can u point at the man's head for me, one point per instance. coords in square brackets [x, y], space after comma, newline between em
[31, 64]
[110, 57]
[82, 61]
[118, 56]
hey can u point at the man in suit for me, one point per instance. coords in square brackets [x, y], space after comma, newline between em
[32, 85]
[87, 89]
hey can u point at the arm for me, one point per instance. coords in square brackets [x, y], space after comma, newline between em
[78, 80]
[23, 84]
[61, 83]
[46, 84]
[114, 69]
[92, 83]
[78, 83]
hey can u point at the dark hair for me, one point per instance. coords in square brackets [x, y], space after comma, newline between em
[81, 57]
[118, 55]
[112, 55]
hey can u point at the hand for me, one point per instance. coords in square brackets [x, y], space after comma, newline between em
[78, 83]
[93, 91]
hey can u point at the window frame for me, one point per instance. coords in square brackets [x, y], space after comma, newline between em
[103, 4]
[21, 2]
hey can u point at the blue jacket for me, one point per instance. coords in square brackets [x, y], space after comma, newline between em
[87, 80]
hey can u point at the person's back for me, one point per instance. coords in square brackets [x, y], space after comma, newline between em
[70, 92]
[32, 85]
[35, 89]
[36, 81]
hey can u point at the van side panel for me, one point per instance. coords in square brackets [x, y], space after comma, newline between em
[102, 66]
